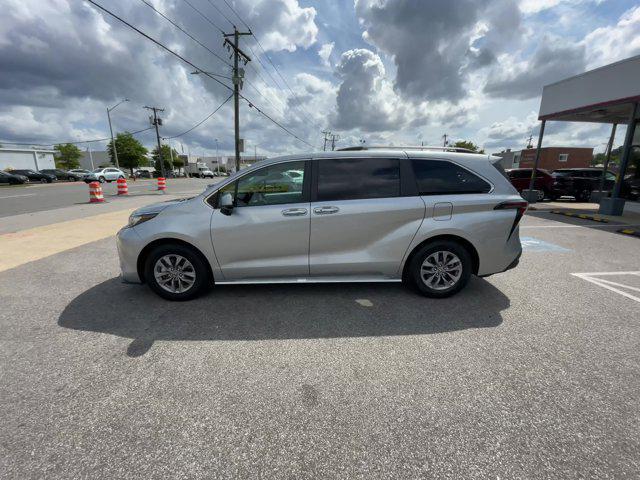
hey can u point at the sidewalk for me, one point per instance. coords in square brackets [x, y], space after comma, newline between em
[631, 210]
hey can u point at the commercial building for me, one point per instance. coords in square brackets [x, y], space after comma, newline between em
[550, 158]
[26, 158]
[609, 94]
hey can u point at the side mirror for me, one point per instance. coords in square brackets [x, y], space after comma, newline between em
[226, 204]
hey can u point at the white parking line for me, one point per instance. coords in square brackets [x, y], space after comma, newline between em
[15, 196]
[578, 226]
[609, 285]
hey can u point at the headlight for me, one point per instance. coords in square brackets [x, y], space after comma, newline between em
[137, 219]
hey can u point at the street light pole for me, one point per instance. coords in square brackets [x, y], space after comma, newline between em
[113, 143]
[217, 157]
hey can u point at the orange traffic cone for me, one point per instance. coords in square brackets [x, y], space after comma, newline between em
[95, 193]
[123, 189]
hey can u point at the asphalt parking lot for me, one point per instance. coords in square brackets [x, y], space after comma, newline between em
[528, 374]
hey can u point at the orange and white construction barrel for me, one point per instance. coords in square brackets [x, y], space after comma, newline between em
[123, 189]
[162, 184]
[95, 193]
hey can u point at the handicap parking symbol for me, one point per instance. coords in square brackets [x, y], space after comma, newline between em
[530, 244]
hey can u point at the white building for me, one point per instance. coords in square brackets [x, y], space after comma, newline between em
[26, 158]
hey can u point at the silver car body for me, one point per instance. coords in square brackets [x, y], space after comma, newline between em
[109, 174]
[346, 240]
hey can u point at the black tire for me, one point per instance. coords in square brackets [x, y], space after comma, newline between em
[584, 195]
[202, 279]
[415, 268]
[102, 179]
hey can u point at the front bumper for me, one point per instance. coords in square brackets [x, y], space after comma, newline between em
[129, 246]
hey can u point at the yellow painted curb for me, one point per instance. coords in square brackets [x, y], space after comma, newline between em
[36, 243]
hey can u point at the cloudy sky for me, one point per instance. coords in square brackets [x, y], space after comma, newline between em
[384, 71]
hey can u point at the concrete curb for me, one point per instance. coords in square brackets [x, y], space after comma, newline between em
[629, 232]
[583, 216]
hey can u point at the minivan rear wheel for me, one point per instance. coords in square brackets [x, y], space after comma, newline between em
[440, 269]
[176, 272]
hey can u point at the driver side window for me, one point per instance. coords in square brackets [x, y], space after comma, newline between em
[273, 185]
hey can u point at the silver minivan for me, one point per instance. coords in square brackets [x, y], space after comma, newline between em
[427, 217]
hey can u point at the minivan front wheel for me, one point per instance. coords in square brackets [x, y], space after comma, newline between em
[441, 269]
[176, 272]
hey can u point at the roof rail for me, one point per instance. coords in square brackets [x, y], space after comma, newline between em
[420, 147]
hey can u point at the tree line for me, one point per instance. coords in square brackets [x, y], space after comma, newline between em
[131, 154]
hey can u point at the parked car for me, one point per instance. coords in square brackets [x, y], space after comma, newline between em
[167, 174]
[142, 174]
[34, 176]
[80, 171]
[547, 184]
[583, 181]
[63, 174]
[108, 174]
[633, 187]
[12, 179]
[428, 218]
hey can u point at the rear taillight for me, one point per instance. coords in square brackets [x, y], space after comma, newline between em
[519, 205]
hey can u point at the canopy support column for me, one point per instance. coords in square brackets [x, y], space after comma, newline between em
[531, 195]
[615, 204]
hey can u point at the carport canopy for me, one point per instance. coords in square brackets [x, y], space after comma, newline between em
[608, 94]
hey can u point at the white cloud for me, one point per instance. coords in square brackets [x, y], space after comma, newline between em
[612, 43]
[325, 53]
[281, 24]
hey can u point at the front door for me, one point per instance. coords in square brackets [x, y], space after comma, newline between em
[267, 233]
[361, 223]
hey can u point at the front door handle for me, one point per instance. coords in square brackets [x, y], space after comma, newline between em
[294, 212]
[325, 210]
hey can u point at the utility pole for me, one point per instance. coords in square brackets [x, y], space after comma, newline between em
[326, 134]
[445, 143]
[113, 143]
[238, 75]
[91, 156]
[334, 137]
[529, 144]
[155, 120]
[217, 158]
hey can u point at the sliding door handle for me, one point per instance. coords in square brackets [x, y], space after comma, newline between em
[325, 210]
[294, 212]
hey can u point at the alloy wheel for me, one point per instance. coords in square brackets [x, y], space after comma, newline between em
[441, 270]
[174, 273]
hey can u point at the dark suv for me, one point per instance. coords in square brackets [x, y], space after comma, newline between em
[62, 174]
[583, 181]
[34, 176]
[547, 184]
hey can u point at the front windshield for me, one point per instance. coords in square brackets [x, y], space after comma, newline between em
[97, 170]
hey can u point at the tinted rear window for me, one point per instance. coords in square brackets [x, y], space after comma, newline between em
[357, 178]
[439, 177]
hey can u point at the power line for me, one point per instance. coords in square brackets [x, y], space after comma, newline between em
[204, 16]
[221, 13]
[191, 64]
[201, 122]
[306, 114]
[186, 33]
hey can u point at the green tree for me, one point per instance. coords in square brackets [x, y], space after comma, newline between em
[468, 145]
[166, 157]
[131, 153]
[67, 156]
[178, 162]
